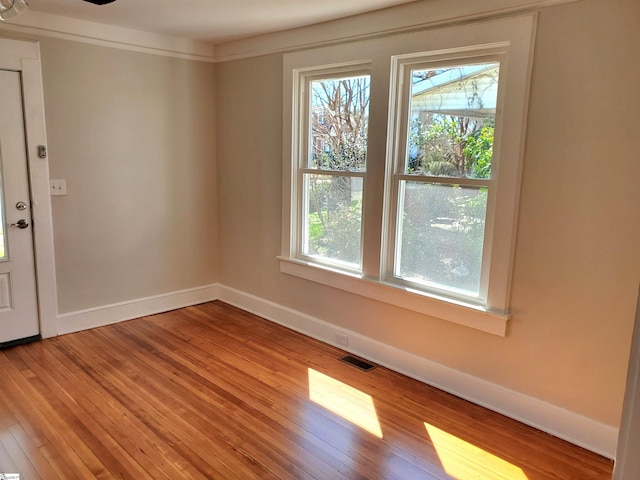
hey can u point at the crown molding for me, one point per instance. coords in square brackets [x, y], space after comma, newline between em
[56, 26]
[408, 17]
[403, 18]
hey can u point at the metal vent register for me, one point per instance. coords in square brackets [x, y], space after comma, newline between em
[358, 363]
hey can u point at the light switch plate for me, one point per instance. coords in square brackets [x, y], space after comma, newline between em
[58, 186]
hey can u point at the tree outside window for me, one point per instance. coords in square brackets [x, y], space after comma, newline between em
[339, 116]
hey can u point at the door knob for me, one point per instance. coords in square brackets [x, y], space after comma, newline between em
[22, 223]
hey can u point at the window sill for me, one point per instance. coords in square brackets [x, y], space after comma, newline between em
[461, 313]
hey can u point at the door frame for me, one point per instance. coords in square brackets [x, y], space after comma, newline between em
[24, 56]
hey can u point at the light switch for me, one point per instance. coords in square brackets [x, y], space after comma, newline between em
[58, 187]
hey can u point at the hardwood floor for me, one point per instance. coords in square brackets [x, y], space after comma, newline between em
[213, 392]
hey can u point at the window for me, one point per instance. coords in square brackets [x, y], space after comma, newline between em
[443, 175]
[332, 159]
[404, 167]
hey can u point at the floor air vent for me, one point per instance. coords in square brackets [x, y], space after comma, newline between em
[358, 363]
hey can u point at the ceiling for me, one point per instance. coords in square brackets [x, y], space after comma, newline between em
[213, 21]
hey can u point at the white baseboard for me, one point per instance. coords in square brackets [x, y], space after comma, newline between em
[118, 312]
[577, 429]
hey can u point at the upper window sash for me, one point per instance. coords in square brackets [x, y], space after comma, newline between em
[402, 67]
[303, 108]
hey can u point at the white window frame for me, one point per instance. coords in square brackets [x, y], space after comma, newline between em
[511, 41]
[302, 138]
[402, 65]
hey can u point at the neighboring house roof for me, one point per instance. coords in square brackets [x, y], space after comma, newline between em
[465, 91]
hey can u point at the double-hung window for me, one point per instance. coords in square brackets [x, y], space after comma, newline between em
[402, 167]
[333, 117]
[442, 180]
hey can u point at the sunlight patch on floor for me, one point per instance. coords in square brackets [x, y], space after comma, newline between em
[464, 461]
[350, 403]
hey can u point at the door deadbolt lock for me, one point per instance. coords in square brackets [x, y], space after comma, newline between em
[22, 223]
[21, 206]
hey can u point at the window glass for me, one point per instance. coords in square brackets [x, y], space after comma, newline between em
[3, 246]
[333, 218]
[441, 235]
[451, 121]
[339, 114]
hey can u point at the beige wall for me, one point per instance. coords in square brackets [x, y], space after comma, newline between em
[162, 156]
[134, 136]
[577, 256]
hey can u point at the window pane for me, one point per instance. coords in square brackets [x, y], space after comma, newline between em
[440, 236]
[451, 121]
[3, 245]
[339, 121]
[333, 218]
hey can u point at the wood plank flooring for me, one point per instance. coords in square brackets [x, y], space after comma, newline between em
[211, 392]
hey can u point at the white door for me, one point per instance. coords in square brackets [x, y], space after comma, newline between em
[18, 301]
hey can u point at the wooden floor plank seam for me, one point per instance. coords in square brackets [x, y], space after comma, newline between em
[212, 392]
